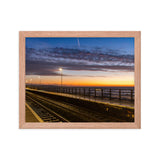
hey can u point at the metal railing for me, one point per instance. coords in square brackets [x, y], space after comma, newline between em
[98, 93]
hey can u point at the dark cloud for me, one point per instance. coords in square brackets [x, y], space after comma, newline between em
[47, 61]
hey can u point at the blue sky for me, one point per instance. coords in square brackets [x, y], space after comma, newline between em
[126, 44]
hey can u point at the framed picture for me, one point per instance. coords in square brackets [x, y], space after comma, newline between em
[80, 79]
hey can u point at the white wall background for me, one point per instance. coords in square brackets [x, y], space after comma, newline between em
[112, 15]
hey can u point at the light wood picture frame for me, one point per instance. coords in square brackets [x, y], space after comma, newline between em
[136, 124]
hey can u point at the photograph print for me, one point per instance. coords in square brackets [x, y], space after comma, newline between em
[79, 79]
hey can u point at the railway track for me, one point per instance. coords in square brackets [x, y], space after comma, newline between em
[46, 114]
[70, 112]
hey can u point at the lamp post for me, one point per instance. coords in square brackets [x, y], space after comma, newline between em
[26, 83]
[39, 77]
[60, 69]
[39, 80]
[31, 82]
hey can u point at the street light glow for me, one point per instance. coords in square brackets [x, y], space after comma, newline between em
[60, 69]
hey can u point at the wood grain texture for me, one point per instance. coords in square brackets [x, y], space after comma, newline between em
[21, 79]
[71, 125]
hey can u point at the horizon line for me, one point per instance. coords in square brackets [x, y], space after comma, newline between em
[81, 85]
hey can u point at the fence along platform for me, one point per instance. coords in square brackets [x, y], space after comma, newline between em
[98, 93]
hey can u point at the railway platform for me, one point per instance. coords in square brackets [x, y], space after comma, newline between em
[30, 115]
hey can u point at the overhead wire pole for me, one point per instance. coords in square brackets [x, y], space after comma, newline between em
[39, 82]
[61, 79]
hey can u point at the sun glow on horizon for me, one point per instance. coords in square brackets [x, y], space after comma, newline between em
[128, 81]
